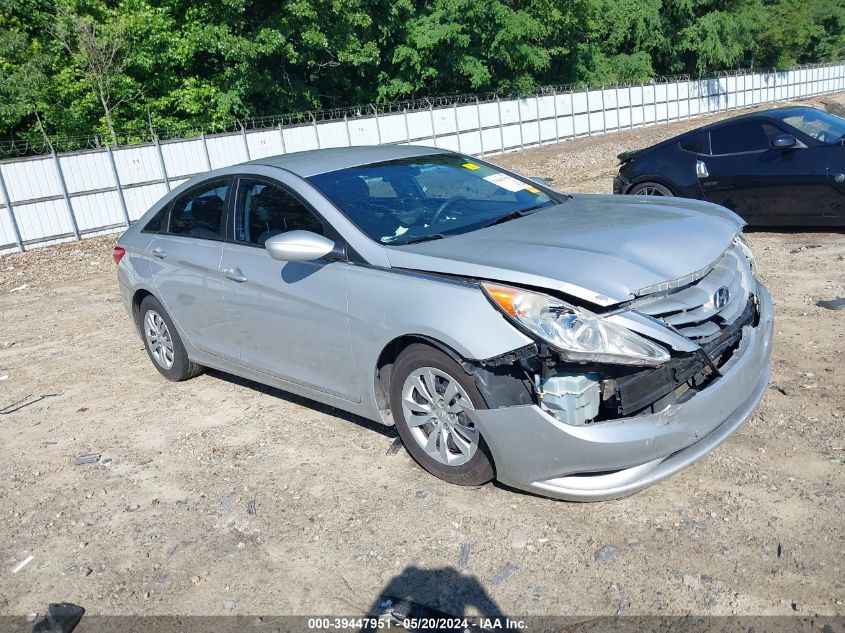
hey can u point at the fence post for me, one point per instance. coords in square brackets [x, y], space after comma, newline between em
[161, 164]
[603, 113]
[205, 151]
[616, 101]
[519, 115]
[677, 101]
[654, 100]
[378, 126]
[480, 129]
[7, 200]
[557, 127]
[317, 134]
[407, 127]
[539, 124]
[589, 112]
[245, 142]
[431, 116]
[61, 177]
[120, 197]
[630, 108]
[572, 110]
[501, 131]
[348, 133]
[282, 136]
[457, 127]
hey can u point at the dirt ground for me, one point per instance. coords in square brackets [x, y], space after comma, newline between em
[220, 496]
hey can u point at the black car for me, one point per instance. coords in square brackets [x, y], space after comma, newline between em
[778, 167]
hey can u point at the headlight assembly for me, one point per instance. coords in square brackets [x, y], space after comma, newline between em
[741, 240]
[577, 334]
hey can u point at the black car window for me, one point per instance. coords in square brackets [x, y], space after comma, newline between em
[263, 210]
[738, 138]
[199, 213]
[694, 143]
[156, 222]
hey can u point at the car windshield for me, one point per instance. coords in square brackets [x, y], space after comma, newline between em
[822, 126]
[428, 197]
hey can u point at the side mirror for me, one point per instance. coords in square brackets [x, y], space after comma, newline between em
[784, 141]
[546, 182]
[298, 246]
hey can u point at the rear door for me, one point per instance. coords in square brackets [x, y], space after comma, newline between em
[289, 319]
[764, 185]
[185, 261]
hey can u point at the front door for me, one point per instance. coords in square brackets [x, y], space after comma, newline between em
[185, 260]
[764, 185]
[289, 319]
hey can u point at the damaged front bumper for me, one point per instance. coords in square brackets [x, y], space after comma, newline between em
[534, 451]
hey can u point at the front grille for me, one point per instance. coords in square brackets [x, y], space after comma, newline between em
[693, 311]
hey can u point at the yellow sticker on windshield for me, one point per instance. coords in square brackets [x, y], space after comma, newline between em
[471, 166]
[532, 189]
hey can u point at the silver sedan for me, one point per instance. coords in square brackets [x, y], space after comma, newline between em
[581, 347]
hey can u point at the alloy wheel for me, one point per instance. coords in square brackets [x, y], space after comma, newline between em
[158, 339]
[434, 406]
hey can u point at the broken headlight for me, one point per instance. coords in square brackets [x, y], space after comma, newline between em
[577, 334]
[741, 240]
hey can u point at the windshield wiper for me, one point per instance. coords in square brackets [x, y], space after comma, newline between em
[513, 215]
[425, 238]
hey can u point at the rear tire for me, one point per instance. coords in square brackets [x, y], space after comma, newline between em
[162, 342]
[428, 393]
[651, 189]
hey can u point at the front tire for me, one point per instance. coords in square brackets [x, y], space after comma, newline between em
[162, 342]
[429, 393]
[651, 189]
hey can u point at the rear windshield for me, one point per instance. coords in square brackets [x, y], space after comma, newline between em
[412, 199]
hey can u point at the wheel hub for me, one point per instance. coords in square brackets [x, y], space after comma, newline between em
[158, 339]
[433, 404]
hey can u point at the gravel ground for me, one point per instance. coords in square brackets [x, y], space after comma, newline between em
[220, 496]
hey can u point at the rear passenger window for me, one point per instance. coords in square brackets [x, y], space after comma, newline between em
[263, 210]
[694, 143]
[156, 223]
[199, 213]
[735, 139]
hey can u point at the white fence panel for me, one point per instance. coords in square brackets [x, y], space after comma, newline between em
[31, 179]
[47, 218]
[392, 128]
[226, 150]
[264, 143]
[184, 158]
[78, 194]
[96, 210]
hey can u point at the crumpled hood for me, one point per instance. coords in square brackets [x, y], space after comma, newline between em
[601, 249]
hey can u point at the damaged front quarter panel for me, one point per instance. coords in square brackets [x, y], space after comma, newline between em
[535, 451]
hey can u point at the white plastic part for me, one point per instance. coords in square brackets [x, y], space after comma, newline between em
[572, 398]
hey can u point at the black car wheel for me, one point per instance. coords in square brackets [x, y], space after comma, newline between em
[651, 189]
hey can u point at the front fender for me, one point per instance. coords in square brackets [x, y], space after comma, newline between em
[385, 304]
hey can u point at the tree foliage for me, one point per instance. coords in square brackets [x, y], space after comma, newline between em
[76, 67]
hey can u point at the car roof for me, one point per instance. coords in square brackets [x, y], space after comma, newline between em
[777, 113]
[749, 116]
[321, 161]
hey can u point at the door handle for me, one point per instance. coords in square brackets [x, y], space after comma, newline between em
[159, 252]
[234, 274]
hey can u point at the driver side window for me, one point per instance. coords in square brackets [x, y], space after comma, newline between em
[263, 210]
